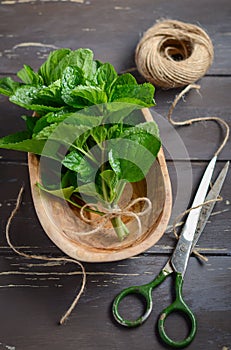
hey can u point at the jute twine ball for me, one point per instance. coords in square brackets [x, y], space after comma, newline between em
[174, 54]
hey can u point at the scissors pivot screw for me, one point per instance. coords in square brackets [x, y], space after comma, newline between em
[183, 247]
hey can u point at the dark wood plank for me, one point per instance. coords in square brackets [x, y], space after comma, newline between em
[31, 304]
[26, 230]
[34, 294]
[102, 25]
[202, 139]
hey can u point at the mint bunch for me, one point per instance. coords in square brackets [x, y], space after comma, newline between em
[87, 124]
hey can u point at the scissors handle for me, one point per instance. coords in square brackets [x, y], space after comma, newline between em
[144, 291]
[177, 305]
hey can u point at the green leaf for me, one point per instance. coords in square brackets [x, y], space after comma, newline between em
[106, 75]
[45, 132]
[150, 128]
[118, 111]
[114, 163]
[59, 116]
[74, 118]
[81, 141]
[28, 76]
[88, 189]
[8, 86]
[26, 96]
[50, 95]
[21, 141]
[111, 180]
[125, 79]
[63, 193]
[132, 155]
[63, 134]
[52, 69]
[76, 162]
[136, 94]
[30, 122]
[41, 123]
[83, 59]
[83, 96]
[144, 138]
[69, 178]
[72, 77]
[99, 134]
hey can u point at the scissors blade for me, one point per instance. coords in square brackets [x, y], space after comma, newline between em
[207, 209]
[182, 251]
[205, 212]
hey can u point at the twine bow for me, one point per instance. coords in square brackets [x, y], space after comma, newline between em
[110, 213]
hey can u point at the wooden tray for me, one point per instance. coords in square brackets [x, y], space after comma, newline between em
[61, 221]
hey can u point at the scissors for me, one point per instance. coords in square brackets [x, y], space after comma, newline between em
[177, 264]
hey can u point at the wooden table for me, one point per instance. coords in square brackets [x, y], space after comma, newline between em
[34, 295]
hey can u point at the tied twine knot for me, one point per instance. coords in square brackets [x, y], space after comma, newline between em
[116, 212]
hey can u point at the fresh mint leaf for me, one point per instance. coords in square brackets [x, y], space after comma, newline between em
[83, 96]
[111, 180]
[8, 86]
[132, 154]
[58, 117]
[40, 124]
[50, 95]
[63, 193]
[21, 141]
[26, 96]
[117, 112]
[99, 134]
[125, 79]
[114, 163]
[28, 76]
[136, 94]
[144, 138]
[104, 146]
[76, 162]
[83, 59]
[72, 77]
[45, 132]
[150, 128]
[88, 189]
[30, 123]
[106, 75]
[69, 178]
[52, 69]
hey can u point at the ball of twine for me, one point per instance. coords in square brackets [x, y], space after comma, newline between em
[174, 54]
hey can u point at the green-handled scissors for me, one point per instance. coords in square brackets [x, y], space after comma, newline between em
[177, 264]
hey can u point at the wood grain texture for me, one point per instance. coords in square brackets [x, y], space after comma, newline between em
[34, 299]
[31, 304]
[101, 26]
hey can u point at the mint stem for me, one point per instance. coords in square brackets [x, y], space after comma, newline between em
[120, 228]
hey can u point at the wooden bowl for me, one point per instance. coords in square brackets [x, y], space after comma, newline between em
[62, 222]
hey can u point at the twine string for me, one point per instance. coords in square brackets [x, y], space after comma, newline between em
[174, 54]
[110, 213]
[222, 145]
[193, 120]
[45, 258]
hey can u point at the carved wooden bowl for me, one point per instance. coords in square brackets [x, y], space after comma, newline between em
[62, 222]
